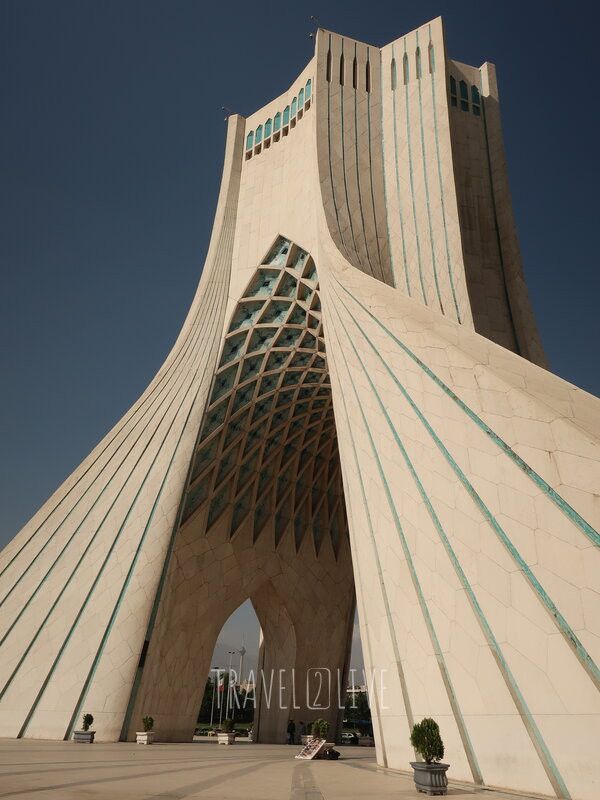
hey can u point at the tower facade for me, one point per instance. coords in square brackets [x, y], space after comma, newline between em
[356, 413]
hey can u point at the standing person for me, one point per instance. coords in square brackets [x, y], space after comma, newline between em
[291, 730]
[301, 730]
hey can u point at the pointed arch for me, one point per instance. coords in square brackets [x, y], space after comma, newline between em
[250, 140]
[328, 70]
[393, 75]
[418, 62]
[405, 69]
[368, 76]
[342, 69]
[354, 73]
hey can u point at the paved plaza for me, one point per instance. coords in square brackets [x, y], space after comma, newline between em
[51, 770]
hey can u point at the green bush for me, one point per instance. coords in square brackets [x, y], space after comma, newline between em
[426, 740]
[148, 723]
[319, 728]
[87, 721]
[227, 726]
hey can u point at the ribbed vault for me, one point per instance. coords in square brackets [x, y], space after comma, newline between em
[267, 452]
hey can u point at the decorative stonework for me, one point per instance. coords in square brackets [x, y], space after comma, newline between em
[268, 444]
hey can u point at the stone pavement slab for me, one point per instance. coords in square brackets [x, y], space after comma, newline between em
[50, 770]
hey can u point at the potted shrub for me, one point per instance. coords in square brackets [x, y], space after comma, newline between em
[319, 729]
[323, 728]
[85, 735]
[147, 735]
[429, 774]
[227, 733]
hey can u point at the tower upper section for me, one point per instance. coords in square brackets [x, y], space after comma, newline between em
[403, 149]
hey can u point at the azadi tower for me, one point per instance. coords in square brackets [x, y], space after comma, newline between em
[357, 411]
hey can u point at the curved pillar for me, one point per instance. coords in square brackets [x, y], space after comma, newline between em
[274, 697]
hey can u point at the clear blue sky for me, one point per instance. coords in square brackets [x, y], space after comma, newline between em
[111, 146]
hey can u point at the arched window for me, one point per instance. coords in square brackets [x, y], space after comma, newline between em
[418, 61]
[286, 115]
[394, 74]
[328, 66]
[277, 121]
[354, 73]
[464, 96]
[431, 54]
[308, 90]
[301, 98]
[268, 127]
[342, 70]
[258, 137]
[250, 140]
[294, 106]
[453, 96]
[368, 76]
[475, 101]
[405, 68]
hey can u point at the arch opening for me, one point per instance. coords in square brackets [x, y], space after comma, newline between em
[229, 688]
[263, 516]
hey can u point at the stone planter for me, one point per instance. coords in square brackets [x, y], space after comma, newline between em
[144, 737]
[306, 738]
[430, 778]
[84, 737]
[225, 738]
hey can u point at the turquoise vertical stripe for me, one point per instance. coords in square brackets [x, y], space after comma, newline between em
[362, 216]
[426, 186]
[395, 116]
[388, 611]
[371, 176]
[497, 224]
[395, 280]
[465, 738]
[561, 623]
[538, 742]
[590, 532]
[342, 87]
[412, 186]
[24, 605]
[69, 579]
[333, 197]
[228, 243]
[93, 586]
[442, 203]
[121, 425]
